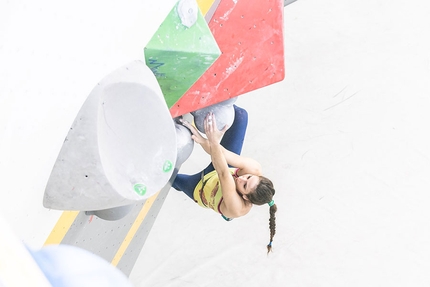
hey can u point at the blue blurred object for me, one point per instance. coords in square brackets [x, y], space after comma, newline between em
[69, 266]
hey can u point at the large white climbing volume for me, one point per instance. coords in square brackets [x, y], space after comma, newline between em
[121, 147]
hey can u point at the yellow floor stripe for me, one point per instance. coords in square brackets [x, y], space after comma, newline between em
[61, 228]
[205, 5]
[68, 217]
[132, 232]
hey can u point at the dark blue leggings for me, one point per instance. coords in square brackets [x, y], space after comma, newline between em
[232, 141]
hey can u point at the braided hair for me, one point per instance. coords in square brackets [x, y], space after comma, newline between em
[263, 194]
[272, 226]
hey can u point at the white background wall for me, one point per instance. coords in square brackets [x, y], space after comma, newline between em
[344, 138]
[52, 54]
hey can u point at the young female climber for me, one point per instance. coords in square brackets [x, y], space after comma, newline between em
[231, 184]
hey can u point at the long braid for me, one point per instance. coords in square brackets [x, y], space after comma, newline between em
[263, 194]
[272, 226]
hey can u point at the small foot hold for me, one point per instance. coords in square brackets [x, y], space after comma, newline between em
[114, 213]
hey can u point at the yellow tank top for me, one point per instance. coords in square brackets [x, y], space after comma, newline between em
[210, 196]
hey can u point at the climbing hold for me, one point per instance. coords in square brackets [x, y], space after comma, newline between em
[187, 11]
[223, 111]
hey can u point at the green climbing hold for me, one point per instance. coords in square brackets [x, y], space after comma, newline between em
[167, 166]
[140, 188]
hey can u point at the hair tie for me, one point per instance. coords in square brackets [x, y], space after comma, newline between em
[271, 203]
[270, 244]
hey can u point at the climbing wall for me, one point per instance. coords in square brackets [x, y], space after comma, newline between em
[117, 241]
[249, 35]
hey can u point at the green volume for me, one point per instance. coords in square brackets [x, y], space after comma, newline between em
[178, 55]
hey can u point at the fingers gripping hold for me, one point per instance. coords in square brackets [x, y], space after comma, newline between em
[224, 111]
